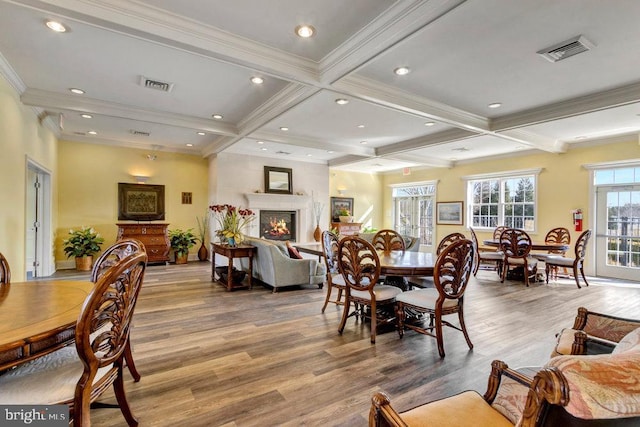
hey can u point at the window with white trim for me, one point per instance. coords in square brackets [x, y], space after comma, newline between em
[503, 199]
[413, 212]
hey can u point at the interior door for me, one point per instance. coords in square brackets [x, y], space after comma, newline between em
[31, 221]
[618, 232]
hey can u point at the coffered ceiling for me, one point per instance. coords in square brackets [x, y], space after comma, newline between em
[462, 56]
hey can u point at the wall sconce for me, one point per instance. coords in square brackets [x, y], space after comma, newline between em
[342, 191]
[140, 179]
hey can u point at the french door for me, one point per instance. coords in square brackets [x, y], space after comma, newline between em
[617, 236]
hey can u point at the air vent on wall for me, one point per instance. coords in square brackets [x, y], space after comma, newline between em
[566, 49]
[139, 132]
[155, 84]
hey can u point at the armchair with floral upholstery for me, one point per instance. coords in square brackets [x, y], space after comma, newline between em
[598, 390]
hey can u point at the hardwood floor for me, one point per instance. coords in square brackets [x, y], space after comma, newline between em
[253, 358]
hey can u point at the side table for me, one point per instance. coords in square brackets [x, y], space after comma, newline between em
[231, 252]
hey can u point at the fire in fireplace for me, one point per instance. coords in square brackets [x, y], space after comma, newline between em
[278, 225]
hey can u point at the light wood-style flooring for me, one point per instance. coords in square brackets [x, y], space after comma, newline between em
[254, 358]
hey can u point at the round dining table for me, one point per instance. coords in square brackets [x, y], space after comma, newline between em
[38, 317]
[535, 246]
[406, 263]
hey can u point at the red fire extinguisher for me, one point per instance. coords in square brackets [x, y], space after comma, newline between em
[577, 219]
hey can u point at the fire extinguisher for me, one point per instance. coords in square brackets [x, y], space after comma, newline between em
[577, 219]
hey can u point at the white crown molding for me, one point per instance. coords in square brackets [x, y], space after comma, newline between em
[396, 24]
[420, 161]
[124, 144]
[149, 23]
[298, 141]
[438, 138]
[10, 75]
[619, 96]
[380, 94]
[346, 160]
[504, 174]
[73, 103]
[533, 140]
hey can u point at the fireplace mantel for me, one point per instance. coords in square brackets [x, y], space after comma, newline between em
[276, 201]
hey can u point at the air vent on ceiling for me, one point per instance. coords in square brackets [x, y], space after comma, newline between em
[139, 132]
[285, 153]
[566, 49]
[155, 84]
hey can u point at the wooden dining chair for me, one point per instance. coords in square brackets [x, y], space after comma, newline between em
[78, 375]
[553, 262]
[427, 282]
[494, 257]
[451, 277]
[334, 278]
[497, 232]
[388, 240]
[516, 246]
[555, 235]
[110, 257]
[359, 265]
[5, 271]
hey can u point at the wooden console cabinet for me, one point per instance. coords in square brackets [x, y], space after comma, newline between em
[347, 228]
[154, 236]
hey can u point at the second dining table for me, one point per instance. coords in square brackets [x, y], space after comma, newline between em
[535, 246]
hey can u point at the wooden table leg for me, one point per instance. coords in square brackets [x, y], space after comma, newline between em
[229, 274]
[250, 270]
[213, 266]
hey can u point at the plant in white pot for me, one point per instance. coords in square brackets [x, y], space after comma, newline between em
[345, 216]
[181, 241]
[83, 244]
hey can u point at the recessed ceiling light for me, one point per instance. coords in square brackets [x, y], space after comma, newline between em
[342, 101]
[264, 148]
[201, 133]
[284, 128]
[92, 132]
[495, 105]
[581, 137]
[429, 124]
[402, 71]
[305, 31]
[257, 80]
[453, 159]
[56, 26]
[77, 91]
[330, 151]
[309, 155]
[363, 142]
[86, 116]
[217, 116]
[260, 142]
[189, 145]
[361, 126]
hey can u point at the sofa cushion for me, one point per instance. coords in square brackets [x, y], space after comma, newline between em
[293, 252]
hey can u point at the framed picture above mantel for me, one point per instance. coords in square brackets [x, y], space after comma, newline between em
[140, 202]
[277, 180]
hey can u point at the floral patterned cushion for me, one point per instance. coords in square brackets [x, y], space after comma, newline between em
[607, 328]
[510, 399]
[602, 386]
[630, 342]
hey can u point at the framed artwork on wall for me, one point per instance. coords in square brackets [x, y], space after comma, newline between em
[338, 204]
[449, 213]
[140, 202]
[277, 180]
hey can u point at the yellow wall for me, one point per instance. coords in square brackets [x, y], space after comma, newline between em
[89, 177]
[21, 138]
[366, 190]
[563, 184]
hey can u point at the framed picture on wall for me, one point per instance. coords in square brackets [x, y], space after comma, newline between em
[140, 202]
[277, 180]
[449, 213]
[338, 204]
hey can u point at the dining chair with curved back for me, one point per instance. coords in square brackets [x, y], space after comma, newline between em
[360, 268]
[494, 257]
[555, 235]
[553, 262]
[448, 240]
[516, 245]
[388, 240]
[5, 271]
[334, 278]
[77, 375]
[497, 232]
[451, 277]
[110, 257]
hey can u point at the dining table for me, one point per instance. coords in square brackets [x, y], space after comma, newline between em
[535, 246]
[38, 317]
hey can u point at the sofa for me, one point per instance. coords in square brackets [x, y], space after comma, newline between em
[273, 266]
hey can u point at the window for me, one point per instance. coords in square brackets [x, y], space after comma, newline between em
[413, 213]
[503, 199]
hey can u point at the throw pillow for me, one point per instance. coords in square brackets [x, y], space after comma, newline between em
[293, 252]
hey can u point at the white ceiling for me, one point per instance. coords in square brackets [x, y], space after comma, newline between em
[463, 55]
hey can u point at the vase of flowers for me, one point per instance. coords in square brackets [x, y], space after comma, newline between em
[231, 223]
[317, 211]
[83, 244]
[203, 230]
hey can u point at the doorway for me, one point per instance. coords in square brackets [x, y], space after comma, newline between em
[38, 260]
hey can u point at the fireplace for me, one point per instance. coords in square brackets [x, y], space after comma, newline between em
[278, 225]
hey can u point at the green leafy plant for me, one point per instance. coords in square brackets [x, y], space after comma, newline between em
[181, 240]
[369, 229]
[82, 242]
[344, 212]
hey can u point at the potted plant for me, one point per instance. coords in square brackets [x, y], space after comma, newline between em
[83, 244]
[345, 215]
[203, 230]
[181, 241]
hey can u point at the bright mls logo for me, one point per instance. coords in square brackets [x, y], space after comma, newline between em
[34, 415]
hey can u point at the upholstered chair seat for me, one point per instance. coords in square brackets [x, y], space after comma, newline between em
[382, 292]
[427, 298]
